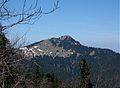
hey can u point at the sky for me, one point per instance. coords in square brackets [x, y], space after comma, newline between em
[93, 23]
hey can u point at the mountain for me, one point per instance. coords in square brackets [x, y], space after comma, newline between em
[62, 55]
[51, 47]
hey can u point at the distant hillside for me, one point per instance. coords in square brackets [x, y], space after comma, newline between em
[61, 56]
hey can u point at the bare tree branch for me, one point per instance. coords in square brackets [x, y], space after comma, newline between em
[9, 18]
[27, 16]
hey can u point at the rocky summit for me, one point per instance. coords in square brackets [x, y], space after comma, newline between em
[52, 47]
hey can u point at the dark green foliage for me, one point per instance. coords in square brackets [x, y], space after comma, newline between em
[8, 82]
[68, 85]
[10, 79]
[51, 78]
[4, 57]
[85, 75]
[37, 76]
[3, 40]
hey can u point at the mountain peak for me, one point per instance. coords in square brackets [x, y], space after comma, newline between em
[66, 37]
[64, 41]
[52, 47]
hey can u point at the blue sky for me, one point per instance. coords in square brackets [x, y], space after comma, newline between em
[92, 22]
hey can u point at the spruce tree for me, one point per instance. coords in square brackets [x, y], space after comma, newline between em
[85, 75]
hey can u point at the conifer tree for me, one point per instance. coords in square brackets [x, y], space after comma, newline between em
[85, 75]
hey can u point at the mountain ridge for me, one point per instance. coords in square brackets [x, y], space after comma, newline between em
[60, 43]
